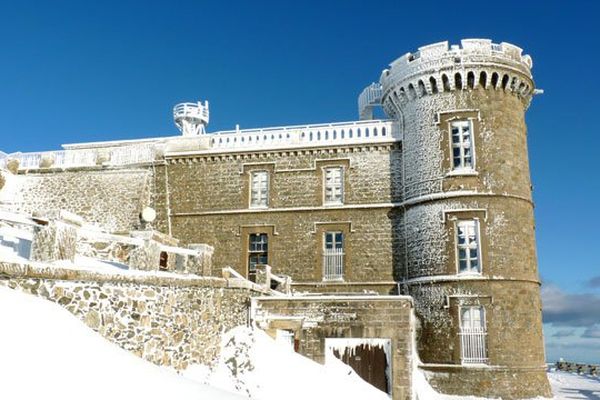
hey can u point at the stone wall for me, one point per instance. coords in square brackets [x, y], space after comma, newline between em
[208, 198]
[111, 198]
[163, 318]
[315, 319]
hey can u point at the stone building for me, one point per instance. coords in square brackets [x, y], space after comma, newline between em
[433, 203]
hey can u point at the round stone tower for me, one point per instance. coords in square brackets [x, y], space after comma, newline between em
[466, 230]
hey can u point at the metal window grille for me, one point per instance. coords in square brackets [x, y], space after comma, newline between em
[334, 185]
[467, 243]
[462, 145]
[259, 189]
[333, 256]
[473, 336]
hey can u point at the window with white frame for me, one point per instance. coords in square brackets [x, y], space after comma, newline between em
[473, 335]
[468, 252]
[333, 256]
[463, 157]
[259, 189]
[333, 187]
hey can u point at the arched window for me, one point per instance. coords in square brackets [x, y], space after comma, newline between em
[470, 80]
[458, 81]
[483, 79]
[505, 79]
[445, 83]
[366, 132]
[495, 78]
[375, 131]
[422, 90]
[358, 132]
[412, 92]
[383, 131]
[433, 83]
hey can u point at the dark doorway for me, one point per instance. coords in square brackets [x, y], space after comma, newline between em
[163, 263]
[369, 362]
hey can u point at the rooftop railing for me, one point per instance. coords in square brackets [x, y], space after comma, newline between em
[303, 136]
[122, 155]
[359, 132]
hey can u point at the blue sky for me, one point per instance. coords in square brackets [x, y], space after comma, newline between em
[85, 71]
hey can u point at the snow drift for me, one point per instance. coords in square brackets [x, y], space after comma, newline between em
[48, 353]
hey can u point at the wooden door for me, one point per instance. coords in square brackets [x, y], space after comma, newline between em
[369, 362]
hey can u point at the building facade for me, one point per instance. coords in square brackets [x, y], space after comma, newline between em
[434, 202]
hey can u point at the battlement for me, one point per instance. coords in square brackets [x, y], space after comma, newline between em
[467, 48]
[440, 67]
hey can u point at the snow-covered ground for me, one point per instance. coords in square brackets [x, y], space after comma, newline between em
[567, 385]
[47, 353]
[254, 364]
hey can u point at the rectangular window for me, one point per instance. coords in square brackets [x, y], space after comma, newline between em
[467, 247]
[259, 189]
[462, 145]
[258, 253]
[333, 256]
[473, 335]
[334, 185]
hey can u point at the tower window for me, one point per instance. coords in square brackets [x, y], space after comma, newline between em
[467, 247]
[462, 145]
[473, 335]
[333, 256]
[258, 253]
[333, 187]
[259, 189]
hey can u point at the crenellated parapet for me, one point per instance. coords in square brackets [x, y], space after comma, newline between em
[440, 67]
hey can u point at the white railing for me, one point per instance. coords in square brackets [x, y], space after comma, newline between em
[472, 346]
[137, 154]
[67, 158]
[123, 155]
[195, 110]
[333, 265]
[371, 131]
[29, 160]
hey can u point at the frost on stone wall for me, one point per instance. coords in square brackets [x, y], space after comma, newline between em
[111, 199]
[168, 325]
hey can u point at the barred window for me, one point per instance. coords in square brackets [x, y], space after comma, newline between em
[334, 185]
[463, 156]
[467, 243]
[259, 189]
[333, 256]
[473, 349]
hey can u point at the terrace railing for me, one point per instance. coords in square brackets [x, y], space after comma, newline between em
[371, 131]
[121, 155]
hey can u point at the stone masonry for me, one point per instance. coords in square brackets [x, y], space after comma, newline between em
[168, 320]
